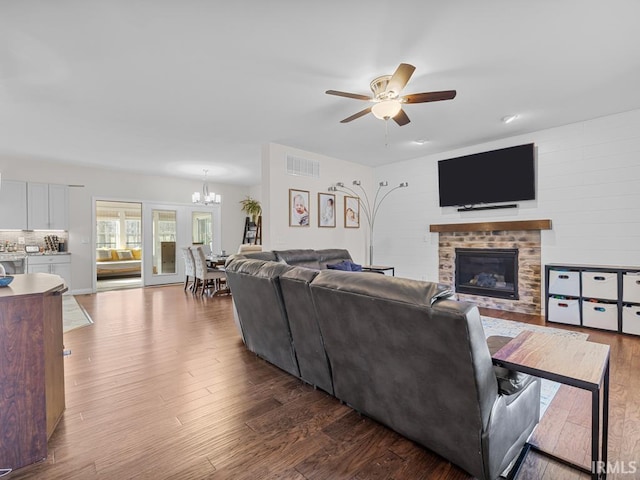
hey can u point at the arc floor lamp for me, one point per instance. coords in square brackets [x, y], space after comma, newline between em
[370, 209]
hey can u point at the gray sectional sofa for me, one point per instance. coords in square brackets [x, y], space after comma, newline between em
[400, 351]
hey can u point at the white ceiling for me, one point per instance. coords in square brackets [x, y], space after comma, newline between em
[178, 86]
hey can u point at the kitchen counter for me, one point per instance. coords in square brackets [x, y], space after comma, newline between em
[33, 284]
[9, 256]
[45, 254]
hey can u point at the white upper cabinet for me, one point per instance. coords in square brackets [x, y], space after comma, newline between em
[58, 207]
[48, 206]
[13, 205]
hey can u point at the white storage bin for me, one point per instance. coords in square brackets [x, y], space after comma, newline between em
[631, 319]
[631, 287]
[603, 285]
[563, 310]
[600, 315]
[563, 282]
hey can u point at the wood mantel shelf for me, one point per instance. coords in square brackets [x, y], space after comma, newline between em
[492, 226]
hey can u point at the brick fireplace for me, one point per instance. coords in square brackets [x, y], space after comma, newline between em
[521, 235]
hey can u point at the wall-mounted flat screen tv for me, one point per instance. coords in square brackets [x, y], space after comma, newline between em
[505, 175]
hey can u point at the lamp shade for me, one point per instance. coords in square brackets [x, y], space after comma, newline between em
[386, 109]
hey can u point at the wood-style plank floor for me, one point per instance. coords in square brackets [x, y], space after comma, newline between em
[161, 386]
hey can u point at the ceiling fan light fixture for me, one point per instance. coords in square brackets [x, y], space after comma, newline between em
[386, 109]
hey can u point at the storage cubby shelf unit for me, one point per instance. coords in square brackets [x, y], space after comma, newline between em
[595, 296]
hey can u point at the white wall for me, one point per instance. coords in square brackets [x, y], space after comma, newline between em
[118, 185]
[588, 185]
[588, 178]
[277, 234]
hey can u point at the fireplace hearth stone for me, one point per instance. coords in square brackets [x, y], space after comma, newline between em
[529, 265]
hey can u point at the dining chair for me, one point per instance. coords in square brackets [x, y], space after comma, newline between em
[207, 277]
[189, 268]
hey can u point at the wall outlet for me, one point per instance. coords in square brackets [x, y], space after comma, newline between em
[20, 240]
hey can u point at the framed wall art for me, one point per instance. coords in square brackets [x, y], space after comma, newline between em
[326, 210]
[351, 212]
[298, 208]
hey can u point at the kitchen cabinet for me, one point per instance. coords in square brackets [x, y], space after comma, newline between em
[59, 264]
[13, 205]
[47, 206]
[32, 374]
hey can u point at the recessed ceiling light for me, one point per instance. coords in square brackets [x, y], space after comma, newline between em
[420, 141]
[509, 118]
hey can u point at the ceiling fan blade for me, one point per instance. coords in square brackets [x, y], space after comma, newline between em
[400, 77]
[401, 118]
[361, 113]
[357, 96]
[429, 96]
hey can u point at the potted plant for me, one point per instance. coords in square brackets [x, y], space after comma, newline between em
[251, 207]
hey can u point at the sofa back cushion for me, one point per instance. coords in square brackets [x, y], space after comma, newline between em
[316, 259]
[332, 256]
[312, 360]
[424, 371]
[255, 286]
[300, 258]
[261, 256]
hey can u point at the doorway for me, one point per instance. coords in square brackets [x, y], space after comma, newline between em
[118, 245]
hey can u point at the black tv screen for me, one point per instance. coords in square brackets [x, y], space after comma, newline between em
[505, 175]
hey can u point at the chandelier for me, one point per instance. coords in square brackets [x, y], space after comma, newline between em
[206, 197]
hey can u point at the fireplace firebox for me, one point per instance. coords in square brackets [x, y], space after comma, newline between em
[488, 272]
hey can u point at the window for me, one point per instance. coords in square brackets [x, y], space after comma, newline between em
[201, 226]
[118, 224]
[108, 233]
[133, 230]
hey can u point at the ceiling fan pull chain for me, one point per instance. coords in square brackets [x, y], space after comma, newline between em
[386, 133]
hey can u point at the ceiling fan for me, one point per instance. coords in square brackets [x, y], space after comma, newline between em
[387, 102]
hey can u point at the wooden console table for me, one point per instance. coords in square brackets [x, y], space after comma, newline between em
[572, 362]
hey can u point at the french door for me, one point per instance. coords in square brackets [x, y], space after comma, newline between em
[169, 228]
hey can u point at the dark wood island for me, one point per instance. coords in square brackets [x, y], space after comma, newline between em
[31, 367]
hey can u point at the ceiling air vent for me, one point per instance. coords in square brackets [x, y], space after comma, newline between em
[302, 167]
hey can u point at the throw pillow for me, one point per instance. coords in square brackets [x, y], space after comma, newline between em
[339, 266]
[345, 265]
[125, 255]
[355, 267]
[103, 255]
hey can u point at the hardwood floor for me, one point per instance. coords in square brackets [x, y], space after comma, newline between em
[161, 386]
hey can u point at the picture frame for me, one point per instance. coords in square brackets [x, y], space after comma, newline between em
[326, 210]
[351, 212]
[298, 208]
